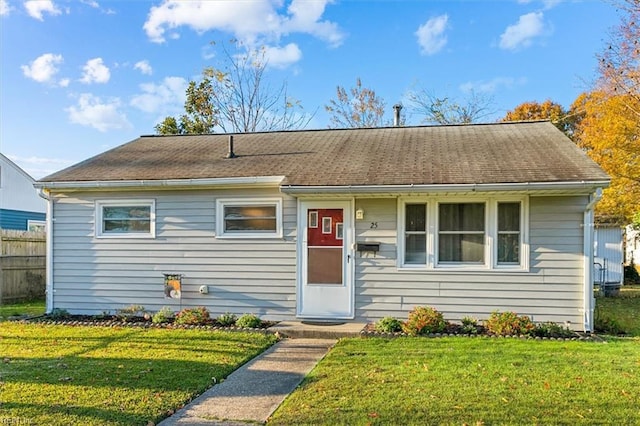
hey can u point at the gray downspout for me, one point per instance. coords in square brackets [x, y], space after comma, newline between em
[49, 249]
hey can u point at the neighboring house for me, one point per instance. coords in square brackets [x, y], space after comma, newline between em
[21, 208]
[608, 254]
[331, 224]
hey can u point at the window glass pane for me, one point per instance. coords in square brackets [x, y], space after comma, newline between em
[508, 216]
[126, 219]
[461, 248]
[250, 219]
[508, 248]
[415, 249]
[416, 215]
[462, 217]
[236, 212]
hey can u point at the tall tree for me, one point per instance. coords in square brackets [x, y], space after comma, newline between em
[446, 110]
[608, 117]
[358, 107]
[609, 134]
[236, 98]
[548, 110]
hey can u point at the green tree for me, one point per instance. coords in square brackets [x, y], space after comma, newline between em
[447, 110]
[236, 97]
[357, 107]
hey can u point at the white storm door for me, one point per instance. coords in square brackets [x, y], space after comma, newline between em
[325, 267]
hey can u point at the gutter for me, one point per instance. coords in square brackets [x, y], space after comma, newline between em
[49, 249]
[255, 181]
[437, 188]
[589, 301]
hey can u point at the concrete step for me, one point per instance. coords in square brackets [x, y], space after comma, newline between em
[318, 329]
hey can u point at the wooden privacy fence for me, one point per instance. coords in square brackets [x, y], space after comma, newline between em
[22, 265]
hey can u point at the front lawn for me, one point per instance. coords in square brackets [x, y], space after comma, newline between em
[32, 308]
[474, 381]
[64, 375]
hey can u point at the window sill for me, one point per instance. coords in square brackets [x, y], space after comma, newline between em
[461, 269]
[126, 236]
[249, 237]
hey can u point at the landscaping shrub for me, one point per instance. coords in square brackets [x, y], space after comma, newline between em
[130, 313]
[551, 329]
[192, 316]
[389, 325]
[424, 320]
[227, 319]
[59, 314]
[469, 325]
[509, 323]
[248, 321]
[631, 275]
[164, 315]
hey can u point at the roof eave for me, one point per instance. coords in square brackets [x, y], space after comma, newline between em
[568, 186]
[246, 181]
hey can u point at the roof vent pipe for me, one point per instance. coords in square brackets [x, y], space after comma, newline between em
[396, 115]
[231, 154]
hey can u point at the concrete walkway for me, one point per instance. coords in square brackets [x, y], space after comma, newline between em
[252, 393]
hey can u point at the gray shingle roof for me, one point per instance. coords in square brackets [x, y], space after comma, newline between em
[459, 154]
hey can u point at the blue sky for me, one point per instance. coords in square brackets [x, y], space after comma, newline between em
[80, 77]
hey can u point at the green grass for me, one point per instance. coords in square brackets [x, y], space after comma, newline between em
[457, 380]
[63, 375]
[32, 308]
[624, 309]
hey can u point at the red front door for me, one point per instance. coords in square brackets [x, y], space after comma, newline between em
[325, 237]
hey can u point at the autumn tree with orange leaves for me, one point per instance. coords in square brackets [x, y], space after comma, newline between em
[547, 110]
[608, 118]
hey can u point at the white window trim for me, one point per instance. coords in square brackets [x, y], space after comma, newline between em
[222, 202]
[491, 233]
[42, 223]
[100, 204]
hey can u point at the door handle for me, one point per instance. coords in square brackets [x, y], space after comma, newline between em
[348, 258]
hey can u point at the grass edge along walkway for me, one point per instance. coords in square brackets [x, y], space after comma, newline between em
[457, 380]
[62, 375]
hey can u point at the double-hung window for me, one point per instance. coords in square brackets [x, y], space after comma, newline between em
[482, 233]
[125, 219]
[249, 218]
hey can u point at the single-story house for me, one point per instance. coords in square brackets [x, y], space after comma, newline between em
[351, 224]
[21, 208]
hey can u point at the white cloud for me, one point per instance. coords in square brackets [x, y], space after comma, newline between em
[36, 8]
[431, 37]
[491, 86]
[38, 167]
[91, 3]
[143, 67]
[282, 57]
[44, 68]
[164, 98]
[5, 8]
[91, 111]
[523, 32]
[254, 23]
[94, 71]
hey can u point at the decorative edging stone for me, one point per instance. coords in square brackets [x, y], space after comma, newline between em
[141, 324]
[577, 337]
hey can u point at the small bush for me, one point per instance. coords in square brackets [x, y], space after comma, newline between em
[192, 316]
[248, 321]
[469, 325]
[130, 313]
[631, 275]
[59, 314]
[509, 323]
[424, 320]
[227, 319]
[164, 315]
[389, 325]
[551, 329]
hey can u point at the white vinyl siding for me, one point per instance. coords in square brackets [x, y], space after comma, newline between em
[252, 275]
